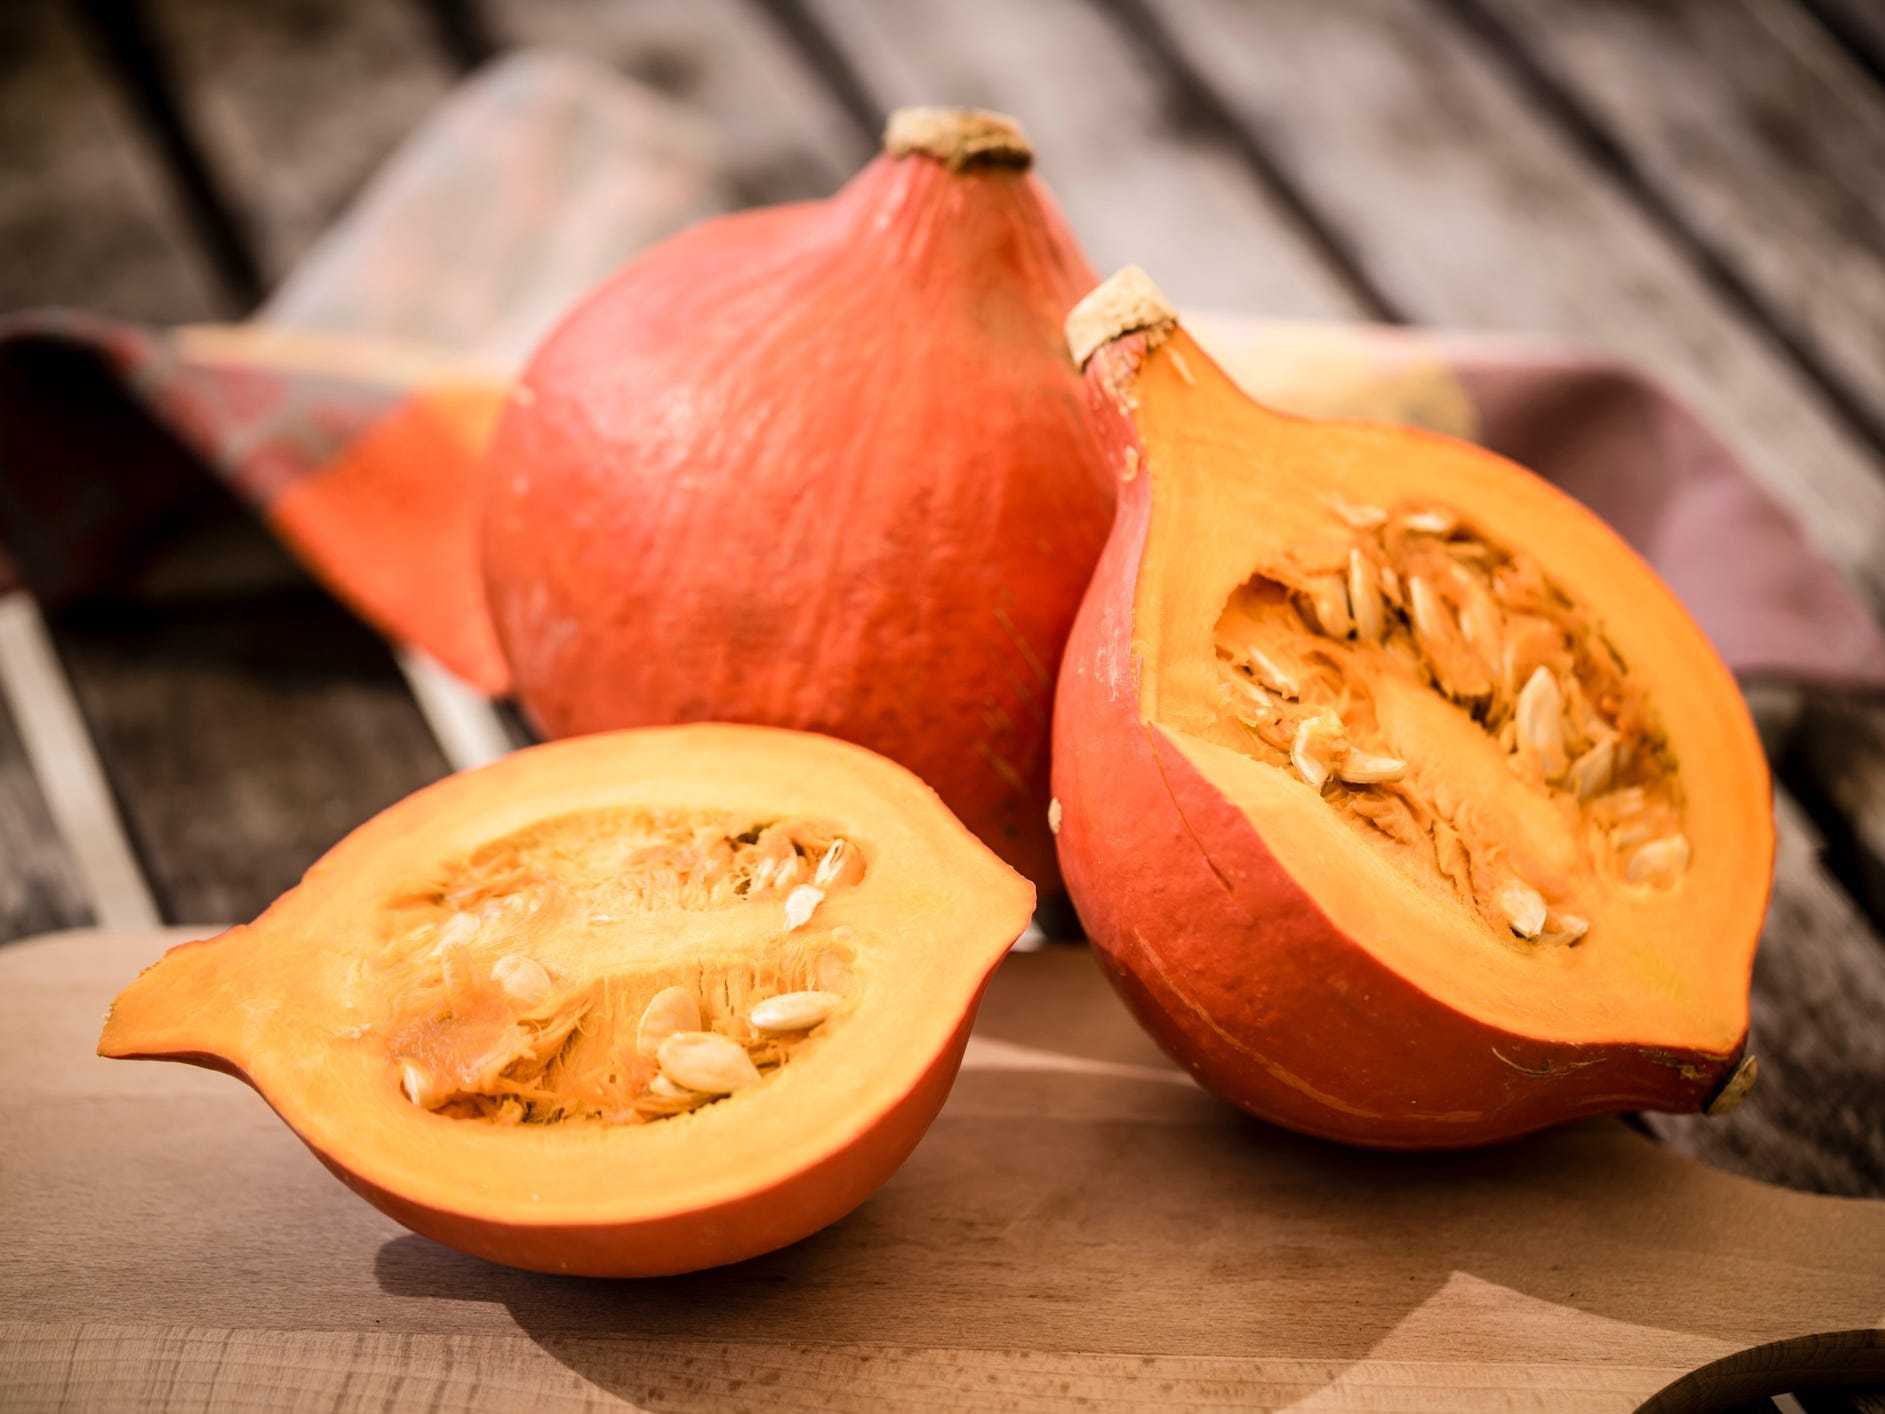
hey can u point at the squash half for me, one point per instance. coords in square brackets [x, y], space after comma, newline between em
[453, 1008]
[1404, 804]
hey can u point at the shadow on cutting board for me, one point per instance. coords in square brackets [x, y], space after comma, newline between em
[1121, 1211]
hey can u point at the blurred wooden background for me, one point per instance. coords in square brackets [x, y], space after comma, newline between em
[1696, 185]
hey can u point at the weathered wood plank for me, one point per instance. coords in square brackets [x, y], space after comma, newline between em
[1580, 1269]
[39, 889]
[1138, 185]
[245, 728]
[1858, 24]
[85, 827]
[1764, 142]
[1840, 751]
[86, 217]
[297, 103]
[779, 135]
[243, 735]
[1819, 989]
[1471, 208]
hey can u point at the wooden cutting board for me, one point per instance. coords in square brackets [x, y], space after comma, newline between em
[1081, 1227]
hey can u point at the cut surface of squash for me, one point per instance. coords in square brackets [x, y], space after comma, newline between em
[633, 1003]
[1419, 729]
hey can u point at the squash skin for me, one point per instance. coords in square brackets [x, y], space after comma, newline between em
[1230, 964]
[755, 1223]
[189, 1007]
[824, 466]
[751, 1225]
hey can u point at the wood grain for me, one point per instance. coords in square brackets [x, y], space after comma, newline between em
[296, 104]
[1138, 186]
[39, 888]
[243, 731]
[1858, 24]
[1819, 987]
[1470, 208]
[1841, 745]
[87, 217]
[244, 736]
[1764, 141]
[1081, 1224]
[778, 134]
[1762, 138]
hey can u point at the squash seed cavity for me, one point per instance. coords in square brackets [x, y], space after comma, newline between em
[1414, 594]
[485, 1031]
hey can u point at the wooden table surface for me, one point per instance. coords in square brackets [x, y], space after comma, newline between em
[1082, 1227]
[1695, 185]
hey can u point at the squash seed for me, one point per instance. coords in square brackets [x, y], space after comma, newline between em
[1272, 676]
[842, 864]
[706, 1061]
[663, 1089]
[1314, 736]
[1361, 517]
[1660, 861]
[1628, 801]
[1364, 598]
[1481, 624]
[1522, 907]
[1329, 598]
[1253, 694]
[523, 979]
[793, 1011]
[422, 1087]
[458, 931]
[663, 1098]
[1631, 835]
[800, 904]
[1391, 585]
[1590, 773]
[1541, 721]
[1362, 769]
[672, 1011]
[1563, 929]
[788, 871]
[1431, 522]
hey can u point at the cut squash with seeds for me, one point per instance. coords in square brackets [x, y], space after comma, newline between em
[553, 1012]
[1403, 802]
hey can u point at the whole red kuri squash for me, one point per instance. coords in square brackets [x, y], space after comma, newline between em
[823, 466]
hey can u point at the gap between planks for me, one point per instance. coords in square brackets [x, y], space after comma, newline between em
[65, 763]
[466, 722]
[72, 779]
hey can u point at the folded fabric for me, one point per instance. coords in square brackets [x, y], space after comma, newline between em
[351, 412]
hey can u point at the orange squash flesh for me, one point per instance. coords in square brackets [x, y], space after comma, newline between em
[1299, 941]
[620, 864]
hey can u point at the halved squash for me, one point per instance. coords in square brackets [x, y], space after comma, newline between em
[1403, 802]
[630, 1004]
